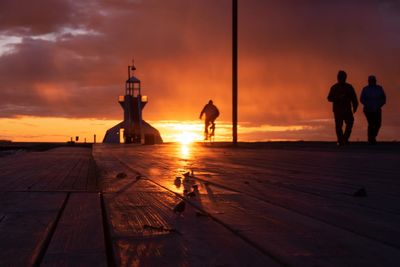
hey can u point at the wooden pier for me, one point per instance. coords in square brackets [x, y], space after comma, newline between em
[267, 204]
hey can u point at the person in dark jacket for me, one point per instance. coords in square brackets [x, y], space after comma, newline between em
[212, 114]
[345, 103]
[373, 98]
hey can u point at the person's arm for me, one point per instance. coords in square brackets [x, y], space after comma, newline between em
[202, 112]
[362, 97]
[331, 95]
[217, 112]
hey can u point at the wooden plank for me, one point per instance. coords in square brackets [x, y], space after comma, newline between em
[244, 171]
[146, 232]
[296, 239]
[58, 169]
[110, 170]
[74, 174]
[82, 179]
[79, 237]
[375, 224]
[22, 172]
[92, 182]
[25, 223]
[309, 227]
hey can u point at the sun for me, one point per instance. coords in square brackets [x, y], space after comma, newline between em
[186, 138]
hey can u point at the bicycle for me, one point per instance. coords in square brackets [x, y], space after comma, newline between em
[209, 135]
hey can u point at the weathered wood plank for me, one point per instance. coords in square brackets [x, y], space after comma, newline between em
[219, 164]
[245, 219]
[296, 239]
[92, 181]
[316, 218]
[60, 169]
[373, 223]
[146, 232]
[73, 175]
[79, 237]
[25, 221]
[82, 179]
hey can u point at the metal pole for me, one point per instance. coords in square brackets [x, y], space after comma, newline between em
[234, 70]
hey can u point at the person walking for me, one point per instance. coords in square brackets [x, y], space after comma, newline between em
[345, 104]
[373, 98]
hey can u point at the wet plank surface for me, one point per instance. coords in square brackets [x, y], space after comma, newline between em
[253, 205]
[25, 221]
[294, 205]
[43, 218]
[145, 231]
[79, 237]
[59, 169]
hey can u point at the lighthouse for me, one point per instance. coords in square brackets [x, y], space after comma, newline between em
[133, 129]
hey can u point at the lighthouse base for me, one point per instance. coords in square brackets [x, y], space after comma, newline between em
[150, 135]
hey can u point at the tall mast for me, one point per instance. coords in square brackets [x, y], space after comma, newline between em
[234, 70]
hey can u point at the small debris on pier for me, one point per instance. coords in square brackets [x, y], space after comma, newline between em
[191, 194]
[160, 228]
[360, 192]
[177, 182]
[201, 214]
[121, 175]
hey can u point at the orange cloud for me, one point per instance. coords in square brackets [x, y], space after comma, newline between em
[74, 65]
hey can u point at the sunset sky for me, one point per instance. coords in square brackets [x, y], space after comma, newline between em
[64, 63]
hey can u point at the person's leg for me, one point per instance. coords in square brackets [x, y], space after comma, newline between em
[349, 120]
[378, 123]
[206, 123]
[212, 127]
[375, 121]
[371, 124]
[338, 128]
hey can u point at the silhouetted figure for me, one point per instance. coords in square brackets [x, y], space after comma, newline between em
[212, 114]
[186, 175]
[373, 98]
[345, 103]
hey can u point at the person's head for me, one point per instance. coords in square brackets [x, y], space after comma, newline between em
[371, 80]
[341, 76]
[210, 102]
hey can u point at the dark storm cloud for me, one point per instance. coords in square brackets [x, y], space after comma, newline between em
[293, 51]
[164, 36]
[290, 52]
[34, 17]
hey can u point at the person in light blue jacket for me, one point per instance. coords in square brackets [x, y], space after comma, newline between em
[373, 98]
